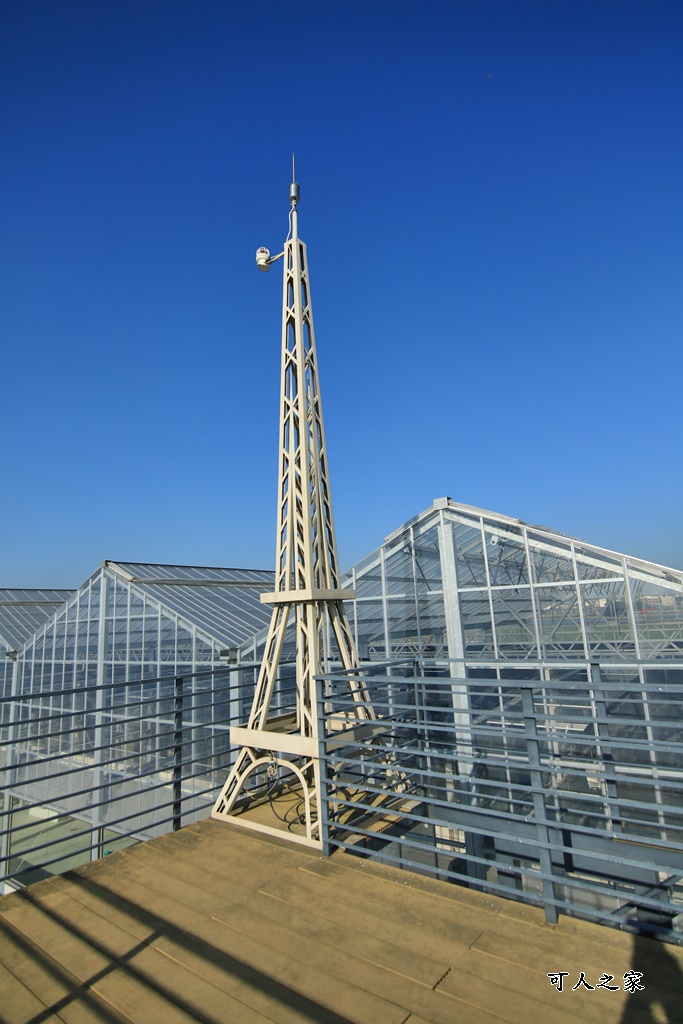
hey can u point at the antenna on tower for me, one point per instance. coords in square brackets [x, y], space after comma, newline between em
[294, 192]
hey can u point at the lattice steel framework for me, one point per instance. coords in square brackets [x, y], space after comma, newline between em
[308, 590]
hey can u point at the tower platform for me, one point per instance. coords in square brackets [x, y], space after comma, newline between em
[219, 924]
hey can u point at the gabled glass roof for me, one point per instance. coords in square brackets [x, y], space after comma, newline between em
[225, 603]
[468, 585]
[513, 591]
[23, 611]
[607, 560]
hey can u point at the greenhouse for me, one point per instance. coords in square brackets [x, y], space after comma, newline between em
[158, 620]
[131, 623]
[461, 587]
[22, 612]
[529, 687]
[102, 672]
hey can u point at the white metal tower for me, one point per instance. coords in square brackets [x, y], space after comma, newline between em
[308, 591]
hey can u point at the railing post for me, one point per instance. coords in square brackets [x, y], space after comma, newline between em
[324, 809]
[542, 831]
[177, 752]
[604, 750]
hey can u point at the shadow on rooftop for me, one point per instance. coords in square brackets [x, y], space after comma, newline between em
[661, 1000]
[81, 992]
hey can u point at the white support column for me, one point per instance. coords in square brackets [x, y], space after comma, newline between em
[462, 717]
[99, 792]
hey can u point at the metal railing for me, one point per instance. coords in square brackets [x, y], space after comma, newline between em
[566, 793]
[90, 770]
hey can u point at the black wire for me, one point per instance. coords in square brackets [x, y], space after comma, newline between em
[299, 817]
[269, 786]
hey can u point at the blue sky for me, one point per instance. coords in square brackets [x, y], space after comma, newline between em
[491, 198]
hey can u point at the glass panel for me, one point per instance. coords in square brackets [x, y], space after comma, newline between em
[476, 623]
[507, 560]
[427, 561]
[658, 612]
[591, 567]
[203, 652]
[469, 555]
[606, 613]
[398, 568]
[82, 639]
[151, 637]
[167, 642]
[369, 579]
[135, 640]
[551, 567]
[513, 616]
[371, 642]
[92, 599]
[59, 631]
[403, 635]
[31, 858]
[559, 621]
[121, 597]
[432, 626]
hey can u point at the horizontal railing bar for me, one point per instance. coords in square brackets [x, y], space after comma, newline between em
[93, 726]
[208, 727]
[84, 849]
[553, 663]
[98, 766]
[104, 785]
[675, 663]
[543, 738]
[532, 874]
[111, 721]
[115, 710]
[566, 671]
[512, 693]
[635, 836]
[106, 803]
[359, 670]
[522, 793]
[555, 723]
[545, 844]
[152, 680]
[26, 702]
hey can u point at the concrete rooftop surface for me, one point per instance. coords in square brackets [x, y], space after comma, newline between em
[217, 924]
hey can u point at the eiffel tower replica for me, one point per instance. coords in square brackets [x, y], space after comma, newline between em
[280, 752]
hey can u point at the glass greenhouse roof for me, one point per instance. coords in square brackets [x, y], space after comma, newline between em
[22, 612]
[463, 585]
[561, 542]
[473, 585]
[224, 603]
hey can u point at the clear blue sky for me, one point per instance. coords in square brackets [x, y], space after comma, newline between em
[491, 197]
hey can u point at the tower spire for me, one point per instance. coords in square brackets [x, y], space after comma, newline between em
[294, 191]
[280, 749]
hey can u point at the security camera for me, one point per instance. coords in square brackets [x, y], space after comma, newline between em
[263, 259]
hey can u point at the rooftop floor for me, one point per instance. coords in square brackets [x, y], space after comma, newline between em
[220, 925]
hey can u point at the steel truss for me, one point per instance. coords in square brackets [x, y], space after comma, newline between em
[278, 749]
